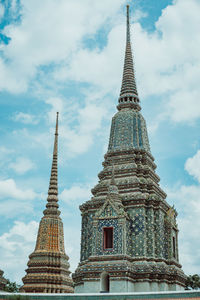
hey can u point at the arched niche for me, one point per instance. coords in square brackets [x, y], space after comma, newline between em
[105, 282]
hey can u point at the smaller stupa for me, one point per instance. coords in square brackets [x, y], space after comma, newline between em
[48, 266]
[3, 281]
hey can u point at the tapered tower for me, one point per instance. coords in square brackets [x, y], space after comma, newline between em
[48, 266]
[129, 239]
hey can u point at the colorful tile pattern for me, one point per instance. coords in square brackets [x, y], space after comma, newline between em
[144, 223]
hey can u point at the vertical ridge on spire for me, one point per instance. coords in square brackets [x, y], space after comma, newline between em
[113, 189]
[52, 199]
[112, 181]
[128, 94]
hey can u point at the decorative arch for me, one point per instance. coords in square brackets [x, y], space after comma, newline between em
[105, 282]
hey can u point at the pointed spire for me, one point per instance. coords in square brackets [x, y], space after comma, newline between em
[52, 199]
[128, 95]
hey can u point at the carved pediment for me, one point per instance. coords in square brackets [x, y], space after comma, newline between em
[110, 210]
[171, 216]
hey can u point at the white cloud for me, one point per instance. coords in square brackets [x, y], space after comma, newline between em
[170, 56]
[76, 194]
[138, 15]
[27, 231]
[32, 140]
[90, 118]
[9, 189]
[160, 56]
[25, 118]
[22, 165]
[57, 105]
[73, 197]
[2, 10]
[192, 165]
[105, 71]
[14, 200]
[155, 55]
[187, 203]
[72, 244]
[15, 246]
[13, 6]
[77, 133]
[78, 124]
[22, 201]
[5, 152]
[32, 45]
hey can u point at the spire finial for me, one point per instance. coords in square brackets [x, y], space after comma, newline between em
[57, 114]
[52, 199]
[127, 24]
[128, 95]
[55, 149]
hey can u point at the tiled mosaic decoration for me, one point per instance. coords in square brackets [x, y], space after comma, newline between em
[144, 224]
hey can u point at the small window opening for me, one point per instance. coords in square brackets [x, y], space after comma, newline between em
[174, 247]
[108, 237]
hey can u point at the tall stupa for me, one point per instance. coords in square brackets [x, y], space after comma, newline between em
[129, 236]
[48, 266]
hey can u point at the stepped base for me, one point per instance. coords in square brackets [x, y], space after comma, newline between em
[123, 286]
[124, 276]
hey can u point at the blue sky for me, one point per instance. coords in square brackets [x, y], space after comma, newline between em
[68, 57]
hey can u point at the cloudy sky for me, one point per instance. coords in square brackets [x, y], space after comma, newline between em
[67, 56]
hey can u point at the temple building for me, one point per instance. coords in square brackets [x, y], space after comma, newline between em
[129, 237]
[3, 281]
[48, 266]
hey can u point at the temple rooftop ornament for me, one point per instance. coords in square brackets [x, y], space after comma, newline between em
[48, 266]
[129, 236]
[128, 95]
